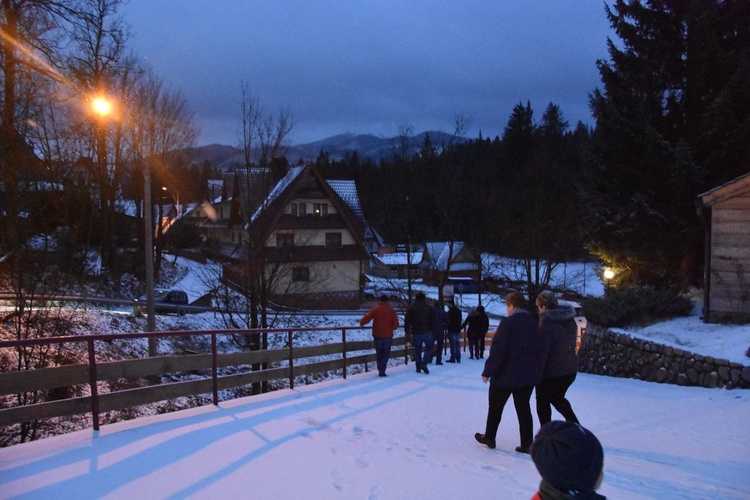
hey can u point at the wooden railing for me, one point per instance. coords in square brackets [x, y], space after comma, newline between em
[288, 362]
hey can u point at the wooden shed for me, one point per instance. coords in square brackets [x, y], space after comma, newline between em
[725, 212]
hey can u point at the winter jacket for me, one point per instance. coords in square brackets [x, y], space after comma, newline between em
[516, 356]
[454, 319]
[440, 322]
[479, 323]
[384, 320]
[559, 331]
[419, 318]
[549, 492]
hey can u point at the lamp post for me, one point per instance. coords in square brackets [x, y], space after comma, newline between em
[148, 246]
[102, 108]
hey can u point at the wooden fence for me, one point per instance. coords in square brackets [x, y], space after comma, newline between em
[291, 361]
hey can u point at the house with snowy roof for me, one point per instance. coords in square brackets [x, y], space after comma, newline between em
[449, 259]
[725, 212]
[302, 244]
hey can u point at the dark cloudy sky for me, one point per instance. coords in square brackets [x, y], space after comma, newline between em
[373, 66]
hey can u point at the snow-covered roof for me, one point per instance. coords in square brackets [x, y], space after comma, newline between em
[347, 190]
[279, 188]
[440, 251]
[400, 258]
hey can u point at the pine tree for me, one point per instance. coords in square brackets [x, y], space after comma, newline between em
[660, 139]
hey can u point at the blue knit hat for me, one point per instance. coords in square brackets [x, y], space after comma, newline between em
[568, 456]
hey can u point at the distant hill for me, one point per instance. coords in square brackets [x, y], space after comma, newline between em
[337, 146]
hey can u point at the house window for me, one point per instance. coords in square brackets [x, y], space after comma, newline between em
[299, 209]
[300, 274]
[333, 240]
[320, 209]
[284, 240]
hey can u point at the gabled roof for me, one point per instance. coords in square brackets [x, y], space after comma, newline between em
[265, 219]
[735, 187]
[439, 252]
[347, 190]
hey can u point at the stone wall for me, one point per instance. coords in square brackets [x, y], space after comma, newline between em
[604, 352]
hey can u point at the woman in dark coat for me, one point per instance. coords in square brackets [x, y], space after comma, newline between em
[513, 368]
[559, 331]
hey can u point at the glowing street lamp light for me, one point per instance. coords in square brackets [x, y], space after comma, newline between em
[101, 106]
[608, 274]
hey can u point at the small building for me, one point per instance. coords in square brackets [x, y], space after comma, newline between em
[449, 259]
[398, 263]
[725, 212]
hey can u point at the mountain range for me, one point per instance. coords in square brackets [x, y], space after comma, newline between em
[336, 148]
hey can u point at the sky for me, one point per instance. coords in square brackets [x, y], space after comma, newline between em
[372, 67]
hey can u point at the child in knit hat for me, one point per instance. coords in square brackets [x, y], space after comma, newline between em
[570, 460]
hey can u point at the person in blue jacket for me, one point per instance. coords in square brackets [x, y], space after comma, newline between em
[513, 368]
[438, 331]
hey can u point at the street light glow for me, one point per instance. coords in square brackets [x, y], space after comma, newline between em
[101, 106]
[609, 274]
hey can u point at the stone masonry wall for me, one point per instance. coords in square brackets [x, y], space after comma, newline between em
[604, 352]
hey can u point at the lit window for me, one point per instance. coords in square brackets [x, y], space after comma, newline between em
[300, 274]
[320, 209]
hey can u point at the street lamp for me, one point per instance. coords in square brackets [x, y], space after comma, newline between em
[101, 107]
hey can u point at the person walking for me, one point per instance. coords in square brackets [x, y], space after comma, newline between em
[419, 322]
[513, 368]
[454, 329]
[438, 331]
[559, 331]
[384, 322]
[478, 324]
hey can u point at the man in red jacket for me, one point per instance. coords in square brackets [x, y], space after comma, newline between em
[384, 321]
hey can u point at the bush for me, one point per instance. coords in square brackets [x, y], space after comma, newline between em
[635, 306]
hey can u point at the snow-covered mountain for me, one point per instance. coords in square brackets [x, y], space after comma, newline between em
[336, 147]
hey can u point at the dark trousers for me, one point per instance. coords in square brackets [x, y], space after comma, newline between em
[473, 346]
[438, 349]
[552, 391]
[498, 396]
[382, 353]
[422, 340]
[455, 345]
[480, 352]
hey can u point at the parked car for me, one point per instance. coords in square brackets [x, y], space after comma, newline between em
[463, 285]
[375, 291]
[165, 301]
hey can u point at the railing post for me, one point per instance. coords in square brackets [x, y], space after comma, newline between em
[343, 341]
[92, 383]
[291, 360]
[215, 368]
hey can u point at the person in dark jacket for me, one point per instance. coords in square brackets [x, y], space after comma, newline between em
[438, 331]
[454, 330]
[479, 324]
[559, 331]
[513, 367]
[384, 321]
[418, 323]
[570, 460]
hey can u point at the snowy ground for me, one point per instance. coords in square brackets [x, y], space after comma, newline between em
[405, 436]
